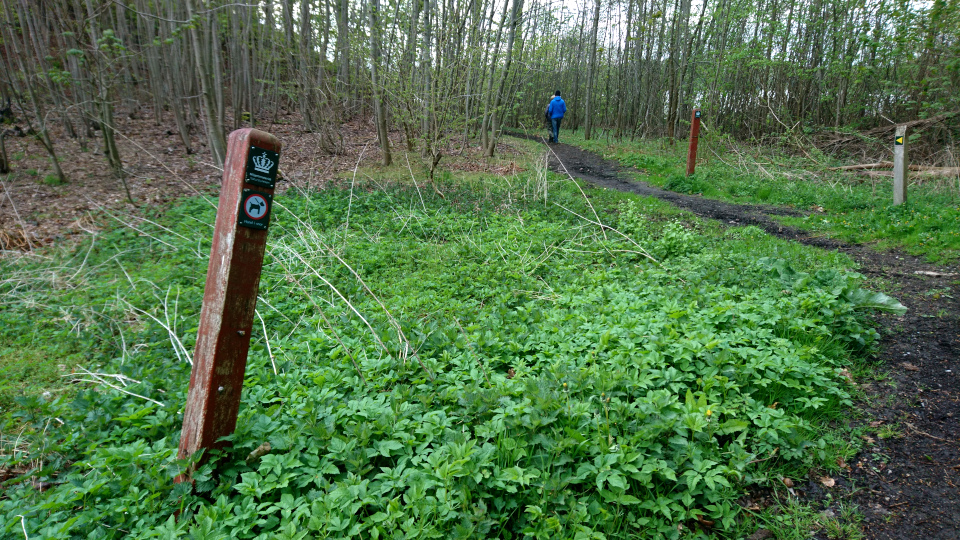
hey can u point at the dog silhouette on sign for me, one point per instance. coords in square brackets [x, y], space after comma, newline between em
[255, 207]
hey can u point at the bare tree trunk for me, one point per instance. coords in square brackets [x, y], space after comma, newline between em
[498, 99]
[487, 123]
[206, 69]
[378, 109]
[304, 67]
[173, 80]
[591, 74]
[4, 162]
[343, 49]
[104, 102]
[37, 105]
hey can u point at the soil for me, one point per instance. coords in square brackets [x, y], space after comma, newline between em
[906, 479]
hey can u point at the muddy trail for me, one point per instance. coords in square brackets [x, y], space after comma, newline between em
[906, 479]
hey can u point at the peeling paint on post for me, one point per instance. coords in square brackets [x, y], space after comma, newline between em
[230, 296]
[694, 139]
[900, 165]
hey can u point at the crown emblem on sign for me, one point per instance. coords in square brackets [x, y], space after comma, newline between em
[262, 163]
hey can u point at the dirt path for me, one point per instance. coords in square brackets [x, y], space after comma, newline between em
[907, 483]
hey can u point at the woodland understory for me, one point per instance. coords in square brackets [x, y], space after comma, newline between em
[591, 362]
[790, 71]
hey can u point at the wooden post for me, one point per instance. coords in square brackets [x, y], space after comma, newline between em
[230, 296]
[900, 165]
[694, 139]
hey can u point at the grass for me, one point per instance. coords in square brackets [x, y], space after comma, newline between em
[29, 372]
[485, 363]
[834, 203]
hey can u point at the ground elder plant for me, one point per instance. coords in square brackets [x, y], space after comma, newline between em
[434, 368]
[840, 204]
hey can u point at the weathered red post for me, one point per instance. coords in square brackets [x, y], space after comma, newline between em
[230, 296]
[694, 138]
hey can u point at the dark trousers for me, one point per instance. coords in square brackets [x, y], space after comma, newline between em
[555, 129]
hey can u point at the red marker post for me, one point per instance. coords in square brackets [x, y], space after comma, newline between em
[230, 296]
[694, 138]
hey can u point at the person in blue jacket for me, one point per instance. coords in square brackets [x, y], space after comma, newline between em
[555, 112]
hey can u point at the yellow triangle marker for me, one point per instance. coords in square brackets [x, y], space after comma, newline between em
[898, 140]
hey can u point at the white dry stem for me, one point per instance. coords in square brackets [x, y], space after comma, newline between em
[350, 200]
[93, 242]
[332, 328]
[585, 198]
[182, 354]
[266, 339]
[404, 342]
[99, 378]
[23, 525]
[602, 226]
[336, 336]
[129, 279]
[414, 179]
[289, 320]
[123, 345]
[155, 224]
[406, 347]
[171, 246]
[342, 297]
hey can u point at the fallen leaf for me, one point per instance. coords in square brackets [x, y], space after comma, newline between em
[511, 373]
[705, 522]
[876, 423]
[787, 482]
[909, 367]
[869, 439]
[846, 375]
[827, 481]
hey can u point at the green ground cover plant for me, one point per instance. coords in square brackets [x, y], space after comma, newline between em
[838, 204]
[487, 364]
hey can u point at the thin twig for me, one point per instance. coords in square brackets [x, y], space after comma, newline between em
[407, 347]
[353, 181]
[267, 340]
[585, 198]
[100, 380]
[23, 525]
[602, 227]
[412, 177]
[915, 430]
[336, 336]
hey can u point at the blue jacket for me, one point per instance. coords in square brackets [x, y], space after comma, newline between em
[557, 107]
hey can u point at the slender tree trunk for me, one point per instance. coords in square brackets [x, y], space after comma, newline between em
[591, 73]
[43, 136]
[496, 115]
[4, 162]
[206, 69]
[378, 109]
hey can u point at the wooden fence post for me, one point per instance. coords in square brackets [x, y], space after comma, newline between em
[230, 295]
[694, 139]
[900, 165]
